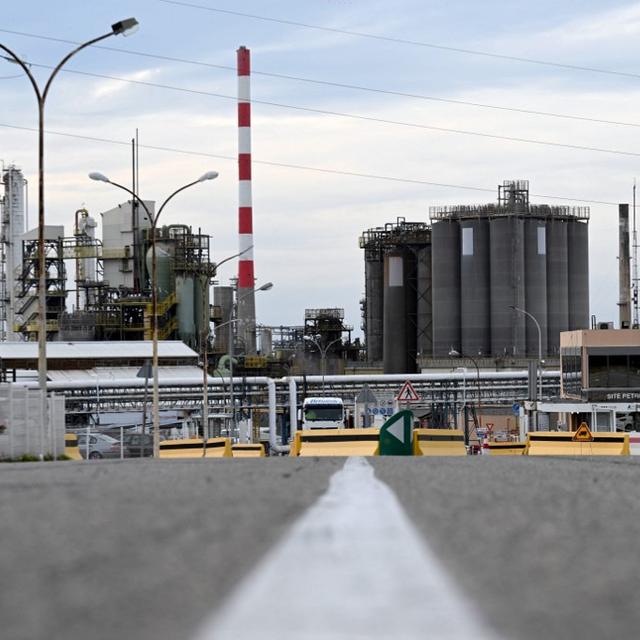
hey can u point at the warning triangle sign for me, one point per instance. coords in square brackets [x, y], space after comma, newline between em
[583, 434]
[408, 393]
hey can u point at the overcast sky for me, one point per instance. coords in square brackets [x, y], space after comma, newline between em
[307, 223]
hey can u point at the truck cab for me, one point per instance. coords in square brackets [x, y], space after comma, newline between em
[323, 413]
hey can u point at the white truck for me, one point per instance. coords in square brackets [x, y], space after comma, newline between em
[323, 413]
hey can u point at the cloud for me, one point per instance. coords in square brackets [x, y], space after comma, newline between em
[109, 88]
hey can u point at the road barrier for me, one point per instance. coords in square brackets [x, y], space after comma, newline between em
[71, 449]
[248, 451]
[336, 442]
[507, 448]
[562, 443]
[192, 448]
[438, 442]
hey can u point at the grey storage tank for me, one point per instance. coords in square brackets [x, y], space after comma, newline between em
[374, 323]
[557, 282]
[507, 286]
[535, 284]
[445, 261]
[395, 312]
[475, 309]
[578, 280]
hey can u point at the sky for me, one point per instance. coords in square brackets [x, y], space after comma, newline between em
[410, 63]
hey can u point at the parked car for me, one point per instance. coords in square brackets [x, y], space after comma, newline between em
[135, 443]
[99, 446]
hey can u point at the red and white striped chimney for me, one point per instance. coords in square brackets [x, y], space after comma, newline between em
[246, 281]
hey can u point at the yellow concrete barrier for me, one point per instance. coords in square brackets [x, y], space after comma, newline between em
[438, 442]
[192, 448]
[507, 448]
[247, 450]
[71, 449]
[336, 442]
[561, 443]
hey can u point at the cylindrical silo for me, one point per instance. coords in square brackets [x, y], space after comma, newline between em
[507, 285]
[223, 298]
[373, 274]
[266, 341]
[578, 244]
[395, 313]
[475, 311]
[164, 268]
[424, 329]
[445, 261]
[411, 306]
[535, 242]
[186, 308]
[557, 283]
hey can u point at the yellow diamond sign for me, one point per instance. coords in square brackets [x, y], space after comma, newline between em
[583, 434]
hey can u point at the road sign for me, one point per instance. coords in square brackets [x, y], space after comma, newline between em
[396, 435]
[583, 434]
[366, 396]
[408, 393]
[516, 409]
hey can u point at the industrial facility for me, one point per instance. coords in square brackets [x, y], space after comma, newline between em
[111, 276]
[500, 280]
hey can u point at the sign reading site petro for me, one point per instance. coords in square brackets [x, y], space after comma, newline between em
[407, 393]
[583, 434]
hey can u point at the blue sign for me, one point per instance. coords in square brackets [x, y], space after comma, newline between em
[516, 409]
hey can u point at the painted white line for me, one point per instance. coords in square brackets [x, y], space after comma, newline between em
[353, 566]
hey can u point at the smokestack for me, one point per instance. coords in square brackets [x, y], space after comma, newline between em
[246, 281]
[624, 267]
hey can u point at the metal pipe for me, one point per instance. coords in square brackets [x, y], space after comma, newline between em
[293, 408]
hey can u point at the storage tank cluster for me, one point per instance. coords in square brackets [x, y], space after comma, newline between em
[397, 305]
[182, 271]
[486, 265]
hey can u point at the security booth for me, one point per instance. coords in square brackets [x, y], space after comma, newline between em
[600, 378]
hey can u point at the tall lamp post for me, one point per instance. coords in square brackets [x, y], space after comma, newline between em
[210, 175]
[530, 315]
[456, 354]
[464, 401]
[124, 27]
[323, 354]
[234, 311]
[205, 363]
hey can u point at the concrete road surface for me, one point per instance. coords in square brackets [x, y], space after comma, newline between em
[135, 550]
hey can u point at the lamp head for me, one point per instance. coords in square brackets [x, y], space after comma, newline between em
[125, 27]
[266, 286]
[453, 353]
[210, 175]
[100, 177]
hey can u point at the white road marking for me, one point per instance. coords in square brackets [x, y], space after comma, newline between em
[353, 566]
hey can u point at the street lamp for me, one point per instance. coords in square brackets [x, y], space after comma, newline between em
[234, 311]
[323, 354]
[464, 399]
[456, 354]
[530, 315]
[210, 175]
[124, 27]
[205, 363]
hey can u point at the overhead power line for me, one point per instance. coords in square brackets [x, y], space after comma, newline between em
[339, 85]
[285, 165]
[353, 116]
[416, 43]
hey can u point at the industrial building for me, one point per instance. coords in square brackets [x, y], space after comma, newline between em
[469, 283]
[110, 298]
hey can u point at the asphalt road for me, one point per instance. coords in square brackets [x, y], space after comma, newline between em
[136, 550]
